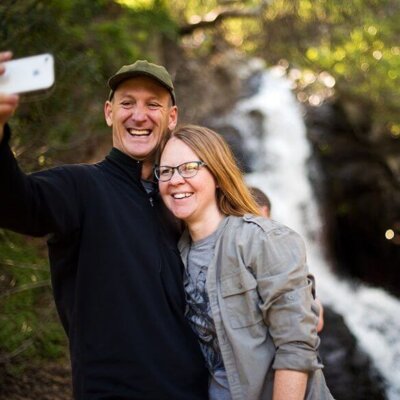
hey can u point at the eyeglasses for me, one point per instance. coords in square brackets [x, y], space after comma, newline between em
[186, 170]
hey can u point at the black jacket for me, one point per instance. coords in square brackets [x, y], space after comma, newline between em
[116, 275]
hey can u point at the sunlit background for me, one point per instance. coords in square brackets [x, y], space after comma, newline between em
[308, 94]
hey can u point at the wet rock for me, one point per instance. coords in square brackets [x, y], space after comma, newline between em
[348, 370]
[359, 193]
[237, 145]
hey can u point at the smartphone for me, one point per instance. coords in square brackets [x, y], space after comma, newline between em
[28, 74]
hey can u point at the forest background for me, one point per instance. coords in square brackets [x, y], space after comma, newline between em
[332, 51]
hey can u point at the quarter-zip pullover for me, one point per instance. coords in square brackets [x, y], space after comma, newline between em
[116, 276]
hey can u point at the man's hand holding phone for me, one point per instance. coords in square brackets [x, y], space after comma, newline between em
[8, 102]
[28, 74]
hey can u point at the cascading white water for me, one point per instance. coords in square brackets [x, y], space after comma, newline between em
[371, 314]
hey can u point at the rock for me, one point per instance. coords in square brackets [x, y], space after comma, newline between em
[348, 370]
[359, 193]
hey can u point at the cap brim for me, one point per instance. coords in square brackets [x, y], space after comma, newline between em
[116, 80]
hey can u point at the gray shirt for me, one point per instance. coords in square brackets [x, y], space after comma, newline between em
[199, 312]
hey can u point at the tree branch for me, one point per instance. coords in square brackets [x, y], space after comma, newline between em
[216, 16]
[9, 263]
[4, 358]
[27, 286]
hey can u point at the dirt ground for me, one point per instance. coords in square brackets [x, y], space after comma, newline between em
[45, 381]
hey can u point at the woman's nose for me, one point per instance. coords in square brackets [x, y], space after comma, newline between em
[176, 178]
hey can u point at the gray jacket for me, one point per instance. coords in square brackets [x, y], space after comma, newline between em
[263, 308]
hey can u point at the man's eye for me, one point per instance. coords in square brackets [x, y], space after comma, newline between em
[126, 103]
[154, 106]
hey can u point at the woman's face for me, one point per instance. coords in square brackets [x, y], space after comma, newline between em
[190, 199]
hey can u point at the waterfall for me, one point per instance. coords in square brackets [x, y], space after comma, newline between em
[280, 153]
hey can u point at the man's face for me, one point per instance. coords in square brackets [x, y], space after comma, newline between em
[140, 114]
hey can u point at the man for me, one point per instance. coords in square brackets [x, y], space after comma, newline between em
[262, 200]
[264, 204]
[116, 274]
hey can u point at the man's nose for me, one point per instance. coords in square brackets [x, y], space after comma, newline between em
[138, 113]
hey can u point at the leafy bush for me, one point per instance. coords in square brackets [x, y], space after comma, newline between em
[28, 321]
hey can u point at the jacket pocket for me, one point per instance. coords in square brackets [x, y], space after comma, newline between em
[241, 300]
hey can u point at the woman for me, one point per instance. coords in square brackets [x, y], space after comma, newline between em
[249, 298]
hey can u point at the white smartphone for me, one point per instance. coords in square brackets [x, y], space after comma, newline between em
[28, 74]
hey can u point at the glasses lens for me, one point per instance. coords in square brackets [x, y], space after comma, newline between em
[189, 169]
[164, 173]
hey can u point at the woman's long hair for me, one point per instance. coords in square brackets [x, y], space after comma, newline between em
[233, 196]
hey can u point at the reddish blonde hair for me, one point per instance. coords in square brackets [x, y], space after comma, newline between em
[233, 195]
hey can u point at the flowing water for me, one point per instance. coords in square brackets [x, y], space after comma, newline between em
[280, 153]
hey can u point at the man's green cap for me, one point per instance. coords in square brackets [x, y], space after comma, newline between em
[142, 67]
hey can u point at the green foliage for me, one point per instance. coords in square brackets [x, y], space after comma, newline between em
[357, 43]
[364, 59]
[28, 321]
[186, 10]
[353, 46]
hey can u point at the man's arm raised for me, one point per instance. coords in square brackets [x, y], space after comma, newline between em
[8, 102]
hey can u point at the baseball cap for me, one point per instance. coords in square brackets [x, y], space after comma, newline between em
[142, 67]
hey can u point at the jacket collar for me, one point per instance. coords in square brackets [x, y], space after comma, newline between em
[128, 164]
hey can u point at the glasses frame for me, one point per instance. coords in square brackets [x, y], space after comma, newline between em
[178, 169]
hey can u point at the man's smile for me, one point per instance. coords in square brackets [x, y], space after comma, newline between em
[139, 132]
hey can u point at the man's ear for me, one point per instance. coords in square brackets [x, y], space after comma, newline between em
[173, 118]
[108, 112]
